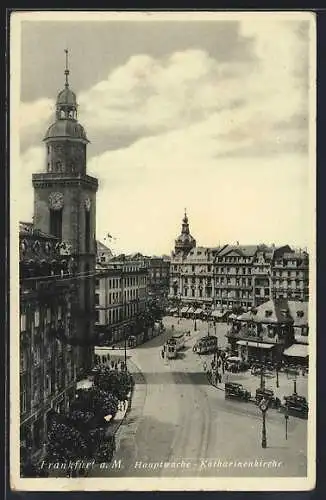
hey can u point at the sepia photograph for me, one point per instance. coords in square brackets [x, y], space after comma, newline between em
[162, 274]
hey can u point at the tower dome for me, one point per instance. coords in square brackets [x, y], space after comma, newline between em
[67, 97]
[66, 124]
[185, 242]
[66, 128]
[66, 139]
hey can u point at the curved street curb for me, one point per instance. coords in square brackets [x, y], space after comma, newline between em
[134, 410]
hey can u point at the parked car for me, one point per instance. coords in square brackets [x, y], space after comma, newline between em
[296, 405]
[235, 364]
[268, 395]
[236, 391]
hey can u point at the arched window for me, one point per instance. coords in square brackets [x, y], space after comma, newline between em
[56, 223]
[44, 268]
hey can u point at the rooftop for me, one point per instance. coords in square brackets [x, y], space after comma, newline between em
[278, 311]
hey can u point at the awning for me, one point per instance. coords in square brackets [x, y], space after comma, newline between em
[255, 344]
[301, 339]
[198, 311]
[233, 358]
[297, 350]
[190, 310]
[184, 310]
[217, 314]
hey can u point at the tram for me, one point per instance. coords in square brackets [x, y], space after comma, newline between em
[169, 350]
[178, 340]
[206, 345]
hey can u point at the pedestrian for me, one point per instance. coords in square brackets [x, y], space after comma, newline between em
[205, 366]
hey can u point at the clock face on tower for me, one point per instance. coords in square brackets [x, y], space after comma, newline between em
[56, 201]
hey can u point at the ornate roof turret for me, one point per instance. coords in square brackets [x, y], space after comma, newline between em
[185, 242]
[66, 124]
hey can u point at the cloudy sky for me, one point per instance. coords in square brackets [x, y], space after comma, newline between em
[211, 115]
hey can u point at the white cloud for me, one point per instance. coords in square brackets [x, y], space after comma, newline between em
[144, 188]
[33, 119]
[32, 161]
[192, 114]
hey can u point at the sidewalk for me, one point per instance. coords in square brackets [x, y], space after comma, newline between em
[252, 382]
[286, 385]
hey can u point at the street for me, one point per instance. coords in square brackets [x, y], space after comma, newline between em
[179, 425]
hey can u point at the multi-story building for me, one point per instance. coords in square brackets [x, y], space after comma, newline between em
[290, 275]
[274, 328]
[234, 276]
[159, 277]
[52, 303]
[103, 253]
[48, 367]
[121, 297]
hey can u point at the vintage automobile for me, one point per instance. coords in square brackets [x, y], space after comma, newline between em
[236, 391]
[268, 395]
[235, 364]
[296, 405]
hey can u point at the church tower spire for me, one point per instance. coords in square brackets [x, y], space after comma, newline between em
[65, 202]
[66, 70]
[185, 242]
[66, 138]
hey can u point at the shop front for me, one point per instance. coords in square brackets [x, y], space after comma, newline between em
[256, 351]
[297, 354]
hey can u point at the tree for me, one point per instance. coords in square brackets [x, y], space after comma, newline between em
[118, 383]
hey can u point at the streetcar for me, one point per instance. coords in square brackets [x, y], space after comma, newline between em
[169, 350]
[177, 340]
[206, 345]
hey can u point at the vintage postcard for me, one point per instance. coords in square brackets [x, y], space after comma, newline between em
[163, 326]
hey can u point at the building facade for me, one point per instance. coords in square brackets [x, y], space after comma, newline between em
[103, 253]
[121, 297]
[57, 277]
[235, 276]
[159, 278]
[266, 332]
[290, 275]
[48, 366]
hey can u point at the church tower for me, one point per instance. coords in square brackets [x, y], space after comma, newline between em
[185, 242]
[65, 202]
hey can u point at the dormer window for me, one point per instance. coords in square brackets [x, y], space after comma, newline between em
[268, 313]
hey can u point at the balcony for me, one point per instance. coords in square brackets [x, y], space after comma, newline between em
[229, 286]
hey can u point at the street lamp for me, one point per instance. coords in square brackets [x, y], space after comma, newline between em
[277, 371]
[125, 348]
[295, 384]
[263, 407]
[195, 322]
[286, 416]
